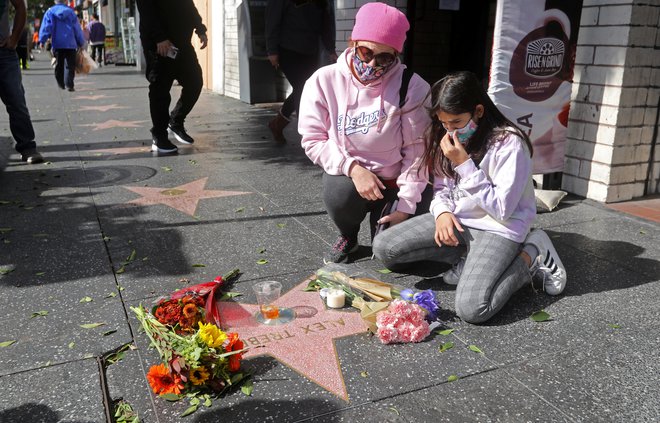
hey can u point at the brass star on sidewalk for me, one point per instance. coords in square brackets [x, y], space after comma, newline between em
[306, 344]
[102, 108]
[183, 198]
[116, 124]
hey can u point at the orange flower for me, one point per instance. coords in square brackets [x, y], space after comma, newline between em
[234, 344]
[163, 382]
[190, 311]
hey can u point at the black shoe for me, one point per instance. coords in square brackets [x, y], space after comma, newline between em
[62, 87]
[163, 146]
[31, 156]
[71, 89]
[179, 132]
[340, 251]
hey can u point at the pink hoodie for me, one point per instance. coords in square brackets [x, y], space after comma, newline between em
[342, 121]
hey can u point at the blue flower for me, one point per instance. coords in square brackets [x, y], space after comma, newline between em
[426, 299]
[407, 294]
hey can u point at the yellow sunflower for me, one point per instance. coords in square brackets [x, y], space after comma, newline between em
[199, 375]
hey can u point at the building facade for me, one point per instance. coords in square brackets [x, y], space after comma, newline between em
[611, 152]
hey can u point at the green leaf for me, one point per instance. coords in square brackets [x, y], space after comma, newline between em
[111, 295]
[192, 162]
[239, 210]
[385, 271]
[121, 270]
[540, 316]
[132, 256]
[262, 261]
[208, 402]
[445, 332]
[189, 410]
[261, 250]
[281, 225]
[452, 378]
[198, 265]
[6, 271]
[39, 273]
[247, 387]
[170, 397]
[39, 313]
[614, 326]
[394, 410]
[114, 358]
[446, 346]
[6, 343]
[166, 168]
[86, 300]
[364, 373]
[109, 332]
[5, 230]
[71, 345]
[475, 349]
[91, 325]
[106, 238]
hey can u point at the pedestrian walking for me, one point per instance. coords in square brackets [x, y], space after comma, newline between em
[362, 120]
[12, 92]
[294, 31]
[166, 28]
[61, 25]
[97, 39]
[483, 205]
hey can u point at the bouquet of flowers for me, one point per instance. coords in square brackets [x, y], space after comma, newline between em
[375, 298]
[198, 359]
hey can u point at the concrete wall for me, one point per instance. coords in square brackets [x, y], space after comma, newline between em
[614, 101]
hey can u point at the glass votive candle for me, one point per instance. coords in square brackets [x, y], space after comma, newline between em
[335, 298]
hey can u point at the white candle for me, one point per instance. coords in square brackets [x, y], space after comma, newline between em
[335, 298]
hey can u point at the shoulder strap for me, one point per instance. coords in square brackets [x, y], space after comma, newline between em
[403, 91]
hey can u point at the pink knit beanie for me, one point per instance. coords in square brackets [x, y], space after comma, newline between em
[380, 23]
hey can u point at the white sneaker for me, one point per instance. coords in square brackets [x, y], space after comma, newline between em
[547, 267]
[452, 275]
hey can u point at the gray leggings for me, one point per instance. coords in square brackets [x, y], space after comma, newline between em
[493, 269]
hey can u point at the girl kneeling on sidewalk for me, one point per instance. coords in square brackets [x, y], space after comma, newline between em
[483, 205]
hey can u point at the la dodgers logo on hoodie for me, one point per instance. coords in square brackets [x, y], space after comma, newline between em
[362, 123]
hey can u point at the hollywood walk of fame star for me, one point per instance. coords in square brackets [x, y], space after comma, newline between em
[116, 124]
[101, 108]
[121, 150]
[91, 97]
[306, 344]
[183, 198]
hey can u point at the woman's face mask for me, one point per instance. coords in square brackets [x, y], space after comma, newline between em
[368, 73]
[463, 134]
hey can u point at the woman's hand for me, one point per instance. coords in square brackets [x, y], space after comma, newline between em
[444, 230]
[366, 183]
[394, 218]
[274, 60]
[453, 150]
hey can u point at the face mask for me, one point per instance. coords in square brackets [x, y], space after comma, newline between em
[368, 73]
[463, 134]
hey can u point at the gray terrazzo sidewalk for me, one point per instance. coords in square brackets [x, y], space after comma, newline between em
[68, 225]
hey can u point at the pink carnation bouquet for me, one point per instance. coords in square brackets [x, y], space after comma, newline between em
[402, 322]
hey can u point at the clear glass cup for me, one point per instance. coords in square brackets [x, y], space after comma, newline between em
[267, 293]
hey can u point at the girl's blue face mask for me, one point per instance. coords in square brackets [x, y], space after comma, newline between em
[463, 134]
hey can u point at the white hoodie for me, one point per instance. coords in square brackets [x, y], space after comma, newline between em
[343, 121]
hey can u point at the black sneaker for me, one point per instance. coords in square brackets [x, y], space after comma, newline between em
[340, 251]
[71, 89]
[163, 146]
[179, 132]
[31, 156]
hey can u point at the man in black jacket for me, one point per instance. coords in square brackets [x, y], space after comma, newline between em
[166, 27]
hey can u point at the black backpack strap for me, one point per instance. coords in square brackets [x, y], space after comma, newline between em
[403, 91]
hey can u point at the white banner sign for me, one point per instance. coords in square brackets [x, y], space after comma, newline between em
[532, 71]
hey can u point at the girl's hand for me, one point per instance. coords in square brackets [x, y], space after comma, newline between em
[367, 184]
[444, 230]
[453, 150]
[394, 218]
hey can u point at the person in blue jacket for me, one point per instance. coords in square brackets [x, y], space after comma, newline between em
[61, 25]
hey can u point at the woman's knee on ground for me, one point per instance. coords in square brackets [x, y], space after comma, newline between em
[472, 312]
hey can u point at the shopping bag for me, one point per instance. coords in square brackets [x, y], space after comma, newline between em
[84, 62]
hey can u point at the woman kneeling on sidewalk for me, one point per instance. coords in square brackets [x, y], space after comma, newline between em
[483, 205]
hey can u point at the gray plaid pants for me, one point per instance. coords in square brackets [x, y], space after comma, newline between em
[493, 269]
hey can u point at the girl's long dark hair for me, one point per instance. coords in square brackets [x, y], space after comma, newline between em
[457, 93]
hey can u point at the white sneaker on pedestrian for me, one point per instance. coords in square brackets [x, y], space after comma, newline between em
[547, 268]
[452, 275]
